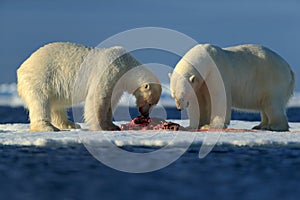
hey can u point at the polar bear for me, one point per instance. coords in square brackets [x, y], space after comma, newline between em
[59, 75]
[253, 78]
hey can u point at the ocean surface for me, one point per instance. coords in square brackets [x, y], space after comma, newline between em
[20, 114]
[226, 173]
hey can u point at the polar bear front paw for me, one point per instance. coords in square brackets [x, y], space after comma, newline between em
[190, 128]
[205, 127]
[104, 127]
[213, 126]
[113, 128]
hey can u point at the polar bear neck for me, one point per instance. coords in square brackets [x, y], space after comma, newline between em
[196, 61]
[122, 72]
[136, 77]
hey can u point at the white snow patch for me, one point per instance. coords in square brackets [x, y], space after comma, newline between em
[17, 134]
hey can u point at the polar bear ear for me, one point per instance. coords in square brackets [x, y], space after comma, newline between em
[192, 78]
[170, 75]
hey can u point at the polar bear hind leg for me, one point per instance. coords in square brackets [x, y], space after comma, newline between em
[39, 114]
[264, 122]
[277, 119]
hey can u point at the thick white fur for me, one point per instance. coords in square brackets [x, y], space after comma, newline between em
[255, 79]
[60, 75]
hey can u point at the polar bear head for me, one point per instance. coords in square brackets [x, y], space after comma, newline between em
[147, 96]
[188, 75]
[182, 88]
[135, 78]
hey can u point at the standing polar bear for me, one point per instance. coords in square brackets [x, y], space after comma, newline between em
[248, 77]
[61, 74]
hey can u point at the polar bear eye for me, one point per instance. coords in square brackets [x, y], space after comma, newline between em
[147, 86]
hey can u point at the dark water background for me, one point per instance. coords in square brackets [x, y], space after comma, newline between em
[70, 172]
[226, 173]
[20, 115]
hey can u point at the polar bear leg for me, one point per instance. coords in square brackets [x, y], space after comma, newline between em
[204, 108]
[277, 120]
[205, 112]
[264, 122]
[39, 114]
[98, 114]
[221, 118]
[194, 118]
[220, 102]
[60, 120]
[228, 110]
[106, 122]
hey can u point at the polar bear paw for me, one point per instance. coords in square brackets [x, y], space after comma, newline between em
[67, 125]
[191, 128]
[213, 126]
[276, 127]
[261, 127]
[279, 127]
[110, 127]
[42, 126]
[104, 127]
[113, 128]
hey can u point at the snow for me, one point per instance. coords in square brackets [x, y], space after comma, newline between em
[17, 134]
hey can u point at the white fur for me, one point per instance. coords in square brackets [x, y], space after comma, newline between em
[60, 75]
[253, 77]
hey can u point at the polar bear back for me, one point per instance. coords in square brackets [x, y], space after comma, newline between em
[254, 71]
[54, 68]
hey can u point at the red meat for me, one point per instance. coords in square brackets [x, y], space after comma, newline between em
[146, 123]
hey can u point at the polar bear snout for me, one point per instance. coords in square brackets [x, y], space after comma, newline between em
[181, 104]
[147, 96]
[145, 110]
[177, 105]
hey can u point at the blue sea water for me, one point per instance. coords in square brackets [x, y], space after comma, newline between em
[20, 114]
[71, 172]
[226, 173]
